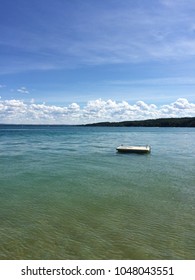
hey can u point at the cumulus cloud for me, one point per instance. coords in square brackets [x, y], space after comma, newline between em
[18, 111]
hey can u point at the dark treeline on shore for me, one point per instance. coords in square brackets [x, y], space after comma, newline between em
[165, 122]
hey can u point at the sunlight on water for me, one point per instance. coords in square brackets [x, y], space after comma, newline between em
[65, 193]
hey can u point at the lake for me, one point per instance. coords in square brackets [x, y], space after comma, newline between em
[65, 193]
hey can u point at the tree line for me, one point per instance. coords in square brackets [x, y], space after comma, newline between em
[162, 122]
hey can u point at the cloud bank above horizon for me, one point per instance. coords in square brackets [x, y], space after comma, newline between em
[20, 112]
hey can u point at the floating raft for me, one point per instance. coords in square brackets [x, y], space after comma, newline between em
[134, 149]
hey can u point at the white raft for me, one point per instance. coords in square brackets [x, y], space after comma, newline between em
[134, 149]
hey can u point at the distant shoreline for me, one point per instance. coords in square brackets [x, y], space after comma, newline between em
[162, 122]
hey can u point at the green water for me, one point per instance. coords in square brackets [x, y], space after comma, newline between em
[65, 193]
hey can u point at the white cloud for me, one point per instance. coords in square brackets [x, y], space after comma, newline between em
[183, 103]
[23, 90]
[180, 107]
[18, 111]
[74, 107]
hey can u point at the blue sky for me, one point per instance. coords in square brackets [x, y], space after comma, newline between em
[73, 61]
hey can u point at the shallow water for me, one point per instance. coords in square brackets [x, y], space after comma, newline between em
[65, 193]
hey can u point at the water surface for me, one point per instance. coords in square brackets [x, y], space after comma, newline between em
[65, 193]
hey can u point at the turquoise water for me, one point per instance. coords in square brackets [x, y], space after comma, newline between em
[65, 193]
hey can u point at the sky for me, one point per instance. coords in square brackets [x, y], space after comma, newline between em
[77, 62]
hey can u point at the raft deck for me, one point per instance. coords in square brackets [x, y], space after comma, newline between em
[134, 149]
